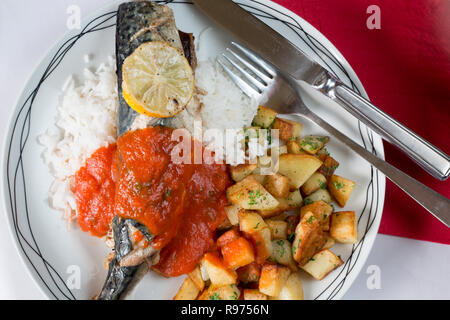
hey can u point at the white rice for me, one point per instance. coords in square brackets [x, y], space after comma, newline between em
[86, 121]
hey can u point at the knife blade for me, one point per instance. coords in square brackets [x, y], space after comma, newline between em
[262, 39]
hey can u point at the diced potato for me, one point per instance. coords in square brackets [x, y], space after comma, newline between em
[278, 229]
[250, 194]
[322, 153]
[264, 117]
[218, 273]
[292, 289]
[273, 277]
[294, 147]
[241, 171]
[315, 182]
[280, 150]
[326, 224]
[232, 211]
[259, 177]
[289, 130]
[329, 242]
[344, 227]
[254, 294]
[312, 144]
[227, 237]
[293, 201]
[196, 277]
[228, 292]
[253, 132]
[188, 290]
[309, 238]
[318, 195]
[329, 165]
[322, 263]
[249, 273]
[321, 210]
[282, 254]
[262, 243]
[341, 188]
[238, 253]
[251, 222]
[254, 227]
[204, 272]
[298, 168]
[277, 185]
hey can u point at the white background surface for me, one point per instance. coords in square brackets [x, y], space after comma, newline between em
[409, 269]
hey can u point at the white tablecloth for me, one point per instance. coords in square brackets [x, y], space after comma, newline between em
[408, 269]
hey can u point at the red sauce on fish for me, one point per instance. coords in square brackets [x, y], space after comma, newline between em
[94, 191]
[181, 204]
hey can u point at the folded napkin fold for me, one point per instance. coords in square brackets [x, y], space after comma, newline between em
[405, 69]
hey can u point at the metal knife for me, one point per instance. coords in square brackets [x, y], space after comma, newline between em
[265, 41]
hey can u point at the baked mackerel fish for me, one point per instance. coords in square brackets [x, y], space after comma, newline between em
[137, 23]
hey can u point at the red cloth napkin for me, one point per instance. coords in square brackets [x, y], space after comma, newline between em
[405, 69]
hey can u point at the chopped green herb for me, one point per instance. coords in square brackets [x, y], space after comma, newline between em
[252, 195]
[281, 244]
[310, 141]
[291, 237]
[307, 201]
[322, 184]
[338, 185]
[215, 296]
[311, 219]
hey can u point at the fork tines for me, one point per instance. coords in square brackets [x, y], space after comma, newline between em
[249, 72]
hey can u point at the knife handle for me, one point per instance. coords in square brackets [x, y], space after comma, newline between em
[429, 157]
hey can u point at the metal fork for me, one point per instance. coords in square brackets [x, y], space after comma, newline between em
[261, 81]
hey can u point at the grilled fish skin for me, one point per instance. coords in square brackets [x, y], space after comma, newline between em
[121, 278]
[137, 23]
[187, 40]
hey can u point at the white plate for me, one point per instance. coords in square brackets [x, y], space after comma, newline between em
[54, 255]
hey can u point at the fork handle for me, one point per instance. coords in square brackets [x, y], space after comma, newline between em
[435, 203]
[430, 158]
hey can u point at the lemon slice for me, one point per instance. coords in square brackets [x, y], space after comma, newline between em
[157, 80]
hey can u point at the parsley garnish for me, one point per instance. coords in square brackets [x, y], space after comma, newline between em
[291, 237]
[322, 184]
[281, 244]
[215, 296]
[338, 185]
[311, 219]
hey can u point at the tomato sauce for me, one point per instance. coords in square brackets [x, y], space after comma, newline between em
[181, 204]
[94, 191]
